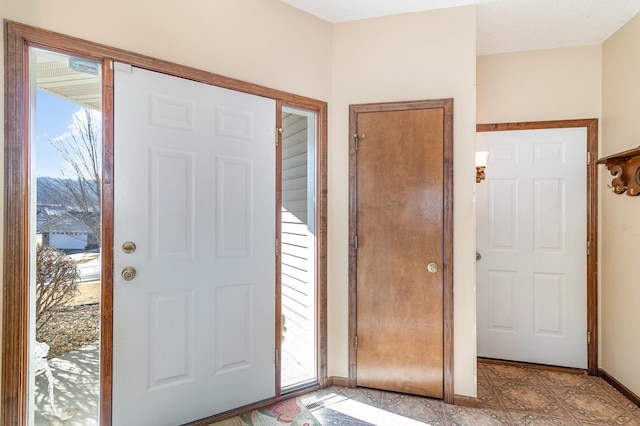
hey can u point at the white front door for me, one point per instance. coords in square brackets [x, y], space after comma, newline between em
[194, 184]
[531, 234]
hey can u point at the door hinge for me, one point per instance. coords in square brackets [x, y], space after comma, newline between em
[588, 248]
[356, 139]
[588, 337]
[278, 133]
[355, 242]
[277, 248]
[355, 342]
[275, 356]
[588, 158]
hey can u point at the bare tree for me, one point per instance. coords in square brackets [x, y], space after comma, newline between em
[79, 190]
[56, 283]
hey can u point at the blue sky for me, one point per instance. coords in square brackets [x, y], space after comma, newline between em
[54, 115]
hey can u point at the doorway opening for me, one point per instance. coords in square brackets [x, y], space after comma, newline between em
[65, 233]
[549, 286]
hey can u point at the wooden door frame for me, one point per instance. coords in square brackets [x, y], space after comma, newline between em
[18, 38]
[447, 269]
[591, 124]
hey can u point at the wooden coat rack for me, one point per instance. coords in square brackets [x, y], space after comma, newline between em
[625, 169]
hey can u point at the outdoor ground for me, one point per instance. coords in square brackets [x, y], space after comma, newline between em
[76, 325]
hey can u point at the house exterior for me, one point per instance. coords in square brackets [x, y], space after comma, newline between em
[63, 229]
[422, 55]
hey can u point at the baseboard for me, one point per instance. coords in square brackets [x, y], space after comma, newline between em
[466, 401]
[338, 381]
[619, 387]
[531, 365]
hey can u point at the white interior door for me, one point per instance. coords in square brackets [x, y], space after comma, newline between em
[194, 331]
[531, 234]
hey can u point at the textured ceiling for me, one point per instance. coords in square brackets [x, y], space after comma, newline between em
[502, 25]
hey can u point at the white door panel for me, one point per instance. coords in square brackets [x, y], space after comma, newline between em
[531, 233]
[194, 331]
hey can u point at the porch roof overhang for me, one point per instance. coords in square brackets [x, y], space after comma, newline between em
[76, 79]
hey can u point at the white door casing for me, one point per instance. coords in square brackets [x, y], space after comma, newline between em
[531, 234]
[194, 183]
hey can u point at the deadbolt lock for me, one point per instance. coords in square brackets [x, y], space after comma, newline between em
[128, 273]
[129, 247]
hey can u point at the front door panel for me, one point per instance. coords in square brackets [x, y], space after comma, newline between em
[194, 329]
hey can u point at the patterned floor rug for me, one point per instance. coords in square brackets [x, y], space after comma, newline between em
[291, 412]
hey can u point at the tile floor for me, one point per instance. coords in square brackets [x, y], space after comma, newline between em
[508, 395]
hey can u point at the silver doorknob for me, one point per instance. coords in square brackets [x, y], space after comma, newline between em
[432, 267]
[128, 273]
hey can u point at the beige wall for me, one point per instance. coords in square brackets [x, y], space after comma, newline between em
[414, 56]
[554, 84]
[235, 38]
[620, 302]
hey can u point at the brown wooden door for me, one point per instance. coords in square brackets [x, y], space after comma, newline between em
[399, 228]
